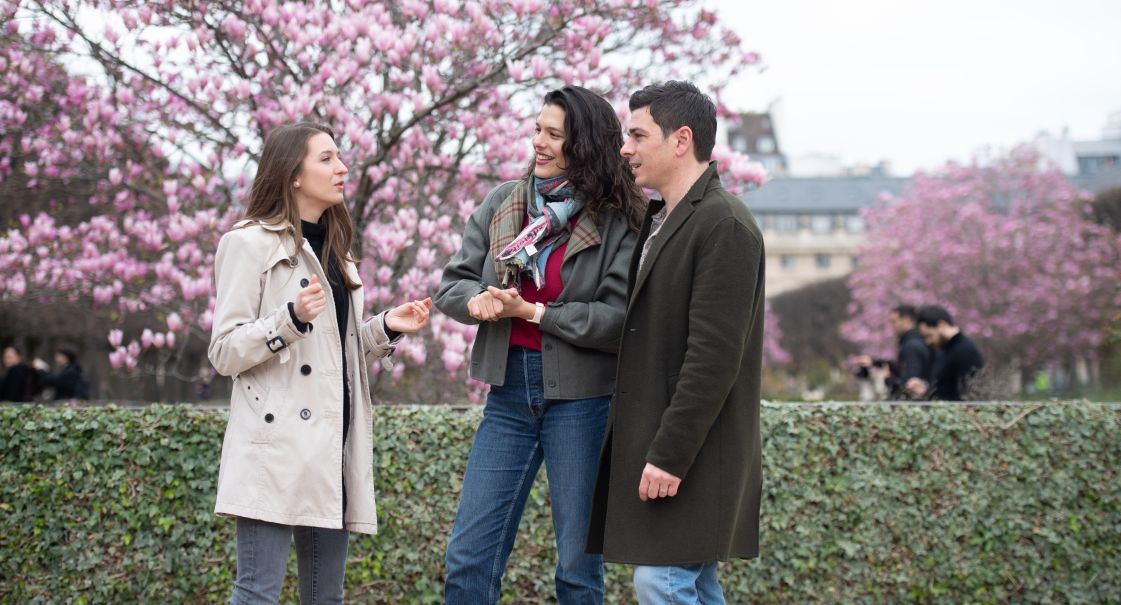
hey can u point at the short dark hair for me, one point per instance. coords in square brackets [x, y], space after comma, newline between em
[676, 104]
[70, 355]
[907, 311]
[932, 314]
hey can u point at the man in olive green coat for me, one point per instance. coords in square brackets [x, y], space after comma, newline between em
[680, 473]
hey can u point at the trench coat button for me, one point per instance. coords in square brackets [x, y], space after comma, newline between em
[305, 413]
[269, 417]
[304, 282]
[548, 347]
[305, 369]
[552, 383]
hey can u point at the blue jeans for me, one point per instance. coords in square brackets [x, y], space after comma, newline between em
[262, 560]
[520, 428]
[683, 585]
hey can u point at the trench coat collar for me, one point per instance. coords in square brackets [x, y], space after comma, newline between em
[283, 251]
[674, 221]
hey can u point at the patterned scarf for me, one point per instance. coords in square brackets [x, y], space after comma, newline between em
[553, 204]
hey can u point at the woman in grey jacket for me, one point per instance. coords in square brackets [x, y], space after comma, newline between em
[542, 271]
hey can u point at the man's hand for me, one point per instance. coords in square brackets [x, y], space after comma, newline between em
[657, 483]
[409, 317]
[310, 301]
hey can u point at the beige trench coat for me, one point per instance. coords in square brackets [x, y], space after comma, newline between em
[282, 456]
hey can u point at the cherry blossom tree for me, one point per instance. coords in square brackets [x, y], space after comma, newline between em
[1008, 246]
[139, 123]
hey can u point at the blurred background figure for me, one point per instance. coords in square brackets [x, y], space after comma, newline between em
[880, 377]
[68, 382]
[957, 362]
[21, 382]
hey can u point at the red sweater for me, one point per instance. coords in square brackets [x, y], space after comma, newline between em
[523, 333]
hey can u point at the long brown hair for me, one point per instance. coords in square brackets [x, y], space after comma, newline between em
[272, 199]
[592, 139]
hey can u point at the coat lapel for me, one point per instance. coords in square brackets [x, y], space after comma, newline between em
[674, 221]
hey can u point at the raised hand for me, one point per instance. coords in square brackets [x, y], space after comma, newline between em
[310, 301]
[409, 317]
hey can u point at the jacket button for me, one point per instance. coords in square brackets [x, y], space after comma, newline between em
[269, 417]
[304, 282]
[552, 383]
[548, 347]
[305, 413]
[305, 369]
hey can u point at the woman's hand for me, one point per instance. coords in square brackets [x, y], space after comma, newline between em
[512, 303]
[409, 317]
[484, 307]
[310, 301]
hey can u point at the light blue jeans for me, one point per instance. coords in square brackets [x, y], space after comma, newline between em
[678, 585]
[262, 560]
[520, 428]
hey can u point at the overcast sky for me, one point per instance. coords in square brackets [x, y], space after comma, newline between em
[919, 83]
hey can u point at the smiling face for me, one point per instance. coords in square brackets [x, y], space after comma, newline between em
[548, 143]
[649, 153]
[322, 175]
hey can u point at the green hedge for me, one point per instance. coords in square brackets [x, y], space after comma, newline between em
[863, 504]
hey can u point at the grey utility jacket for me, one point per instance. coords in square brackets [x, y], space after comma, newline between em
[580, 331]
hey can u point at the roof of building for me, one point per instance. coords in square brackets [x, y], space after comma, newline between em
[1097, 148]
[1098, 182]
[820, 194]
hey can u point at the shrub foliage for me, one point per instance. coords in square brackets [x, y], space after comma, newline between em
[863, 504]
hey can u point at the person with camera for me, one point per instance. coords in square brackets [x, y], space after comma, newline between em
[914, 359]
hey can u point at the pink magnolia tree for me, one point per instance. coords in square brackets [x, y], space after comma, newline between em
[1008, 246]
[141, 122]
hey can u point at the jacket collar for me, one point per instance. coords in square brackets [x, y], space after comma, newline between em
[708, 180]
[284, 251]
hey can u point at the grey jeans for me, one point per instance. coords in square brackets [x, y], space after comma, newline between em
[262, 561]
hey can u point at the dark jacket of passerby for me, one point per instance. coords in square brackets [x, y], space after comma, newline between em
[687, 392]
[21, 384]
[915, 360]
[954, 368]
[68, 383]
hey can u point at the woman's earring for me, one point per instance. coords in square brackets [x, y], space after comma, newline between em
[296, 184]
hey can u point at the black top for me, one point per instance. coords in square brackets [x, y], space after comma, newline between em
[68, 383]
[914, 361]
[20, 384]
[954, 368]
[316, 235]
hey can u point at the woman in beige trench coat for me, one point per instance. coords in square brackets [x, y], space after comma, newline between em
[297, 458]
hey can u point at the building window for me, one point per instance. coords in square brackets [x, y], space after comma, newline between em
[821, 223]
[822, 261]
[787, 261]
[738, 142]
[854, 223]
[765, 144]
[786, 223]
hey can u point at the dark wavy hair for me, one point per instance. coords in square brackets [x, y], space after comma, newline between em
[593, 137]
